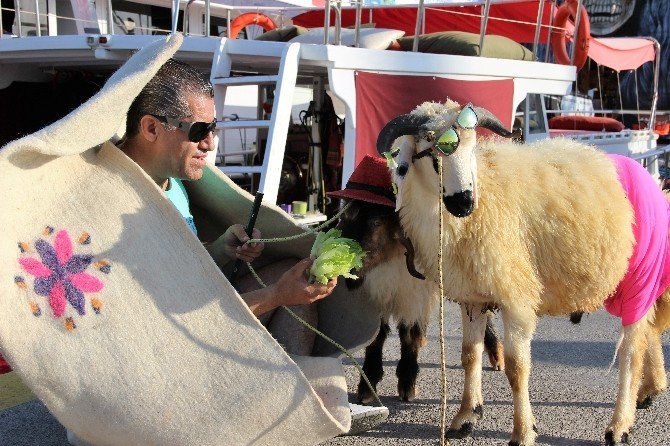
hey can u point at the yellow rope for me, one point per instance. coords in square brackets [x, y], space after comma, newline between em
[301, 320]
[302, 234]
[443, 360]
[324, 336]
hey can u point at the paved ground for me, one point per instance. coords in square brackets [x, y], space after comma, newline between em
[571, 392]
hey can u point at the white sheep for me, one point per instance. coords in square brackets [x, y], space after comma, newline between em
[388, 275]
[537, 229]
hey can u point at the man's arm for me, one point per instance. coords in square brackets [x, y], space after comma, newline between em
[292, 288]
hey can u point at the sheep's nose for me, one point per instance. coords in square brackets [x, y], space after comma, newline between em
[460, 204]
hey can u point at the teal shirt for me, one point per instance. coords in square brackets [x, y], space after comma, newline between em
[176, 193]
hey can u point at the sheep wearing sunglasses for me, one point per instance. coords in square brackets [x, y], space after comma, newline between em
[551, 234]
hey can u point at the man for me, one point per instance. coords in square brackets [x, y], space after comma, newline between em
[168, 134]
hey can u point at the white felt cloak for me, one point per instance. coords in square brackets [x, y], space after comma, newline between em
[115, 316]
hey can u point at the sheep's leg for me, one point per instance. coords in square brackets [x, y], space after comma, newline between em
[494, 347]
[519, 329]
[473, 319]
[654, 380]
[411, 340]
[630, 371]
[372, 364]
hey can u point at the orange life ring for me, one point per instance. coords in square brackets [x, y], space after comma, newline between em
[568, 11]
[251, 18]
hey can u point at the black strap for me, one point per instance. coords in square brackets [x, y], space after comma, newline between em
[382, 191]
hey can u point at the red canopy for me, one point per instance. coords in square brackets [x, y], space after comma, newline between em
[622, 53]
[504, 19]
[382, 97]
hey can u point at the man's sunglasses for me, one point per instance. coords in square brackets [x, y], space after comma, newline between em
[449, 141]
[196, 131]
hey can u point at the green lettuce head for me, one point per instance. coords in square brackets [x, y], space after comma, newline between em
[334, 256]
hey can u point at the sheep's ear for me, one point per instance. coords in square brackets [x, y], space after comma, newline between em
[488, 120]
[399, 126]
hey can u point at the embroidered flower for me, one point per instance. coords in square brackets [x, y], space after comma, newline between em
[60, 274]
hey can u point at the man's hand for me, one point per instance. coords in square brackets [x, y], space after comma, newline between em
[235, 246]
[292, 287]
[232, 246]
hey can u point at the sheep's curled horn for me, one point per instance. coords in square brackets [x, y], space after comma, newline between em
[410, 125]
[489, 121]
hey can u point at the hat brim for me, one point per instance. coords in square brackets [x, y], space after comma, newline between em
[362, 195]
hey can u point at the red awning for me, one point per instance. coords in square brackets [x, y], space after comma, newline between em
[513, 20]
[382, 97]
[621, 53]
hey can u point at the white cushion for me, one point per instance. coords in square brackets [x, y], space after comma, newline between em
[372, 38]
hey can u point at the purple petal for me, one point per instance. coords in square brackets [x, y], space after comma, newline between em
[78, 263]
[43, 285]
[47, 253]
[75, 297]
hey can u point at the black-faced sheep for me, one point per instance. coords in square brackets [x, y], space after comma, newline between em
[405, 297]
[541, 229]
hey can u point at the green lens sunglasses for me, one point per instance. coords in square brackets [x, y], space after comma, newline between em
[448, 142]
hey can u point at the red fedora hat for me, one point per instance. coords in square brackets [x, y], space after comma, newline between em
[370, 182]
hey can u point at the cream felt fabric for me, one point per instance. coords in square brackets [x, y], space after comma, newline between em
[115, 316]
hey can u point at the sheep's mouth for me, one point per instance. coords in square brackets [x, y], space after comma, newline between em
[460, 204]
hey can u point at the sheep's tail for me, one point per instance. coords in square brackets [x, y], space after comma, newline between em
[616, 351]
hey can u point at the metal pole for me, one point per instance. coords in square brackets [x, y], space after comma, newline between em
[538, 27]
[175, 15]
[338, 23]
[357, 28]
[654, 99]
[2, 28]
[326, 23]
[17, 8]
[38, 25]
[552, 11]
[574, 38]
[110, 18]
[316, 184]
[208, 16]
[228, 20]
[485, 22]
[418, 26]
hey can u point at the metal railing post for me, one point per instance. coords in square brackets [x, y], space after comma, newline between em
[482, 29]
[654, 99]
[552, 11]
[228, 20]
[38, 25]
[357, 27]
[110, 18]
[418, 26]
[326, 23]
[17, 9]
[175, 15]
[538, 27]
[578, 17]
[208, 17]
[338, 23]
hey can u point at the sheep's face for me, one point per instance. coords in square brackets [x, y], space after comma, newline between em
[377, 228]
[453, 146]
[446, 134]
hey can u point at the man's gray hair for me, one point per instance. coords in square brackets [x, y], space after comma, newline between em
[167, 93]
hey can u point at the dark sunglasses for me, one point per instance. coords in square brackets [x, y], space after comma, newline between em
[448, 142]
[196, 131]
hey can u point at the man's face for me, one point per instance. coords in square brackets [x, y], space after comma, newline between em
[185, 159]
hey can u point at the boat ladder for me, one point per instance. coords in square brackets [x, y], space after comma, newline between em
[277, 125]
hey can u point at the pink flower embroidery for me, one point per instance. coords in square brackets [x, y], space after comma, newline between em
[60, 274]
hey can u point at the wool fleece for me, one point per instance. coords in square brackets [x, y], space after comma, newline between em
[115, 316]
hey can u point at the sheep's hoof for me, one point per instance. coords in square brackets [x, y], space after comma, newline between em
[645, 403]
[496, 357]
[464, 432]
[365, 397]
[609, 439]
[407, 392]
[479, 411]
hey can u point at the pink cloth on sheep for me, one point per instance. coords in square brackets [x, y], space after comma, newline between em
[648, 272]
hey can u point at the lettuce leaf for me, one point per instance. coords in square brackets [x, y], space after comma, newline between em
[334, 256]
